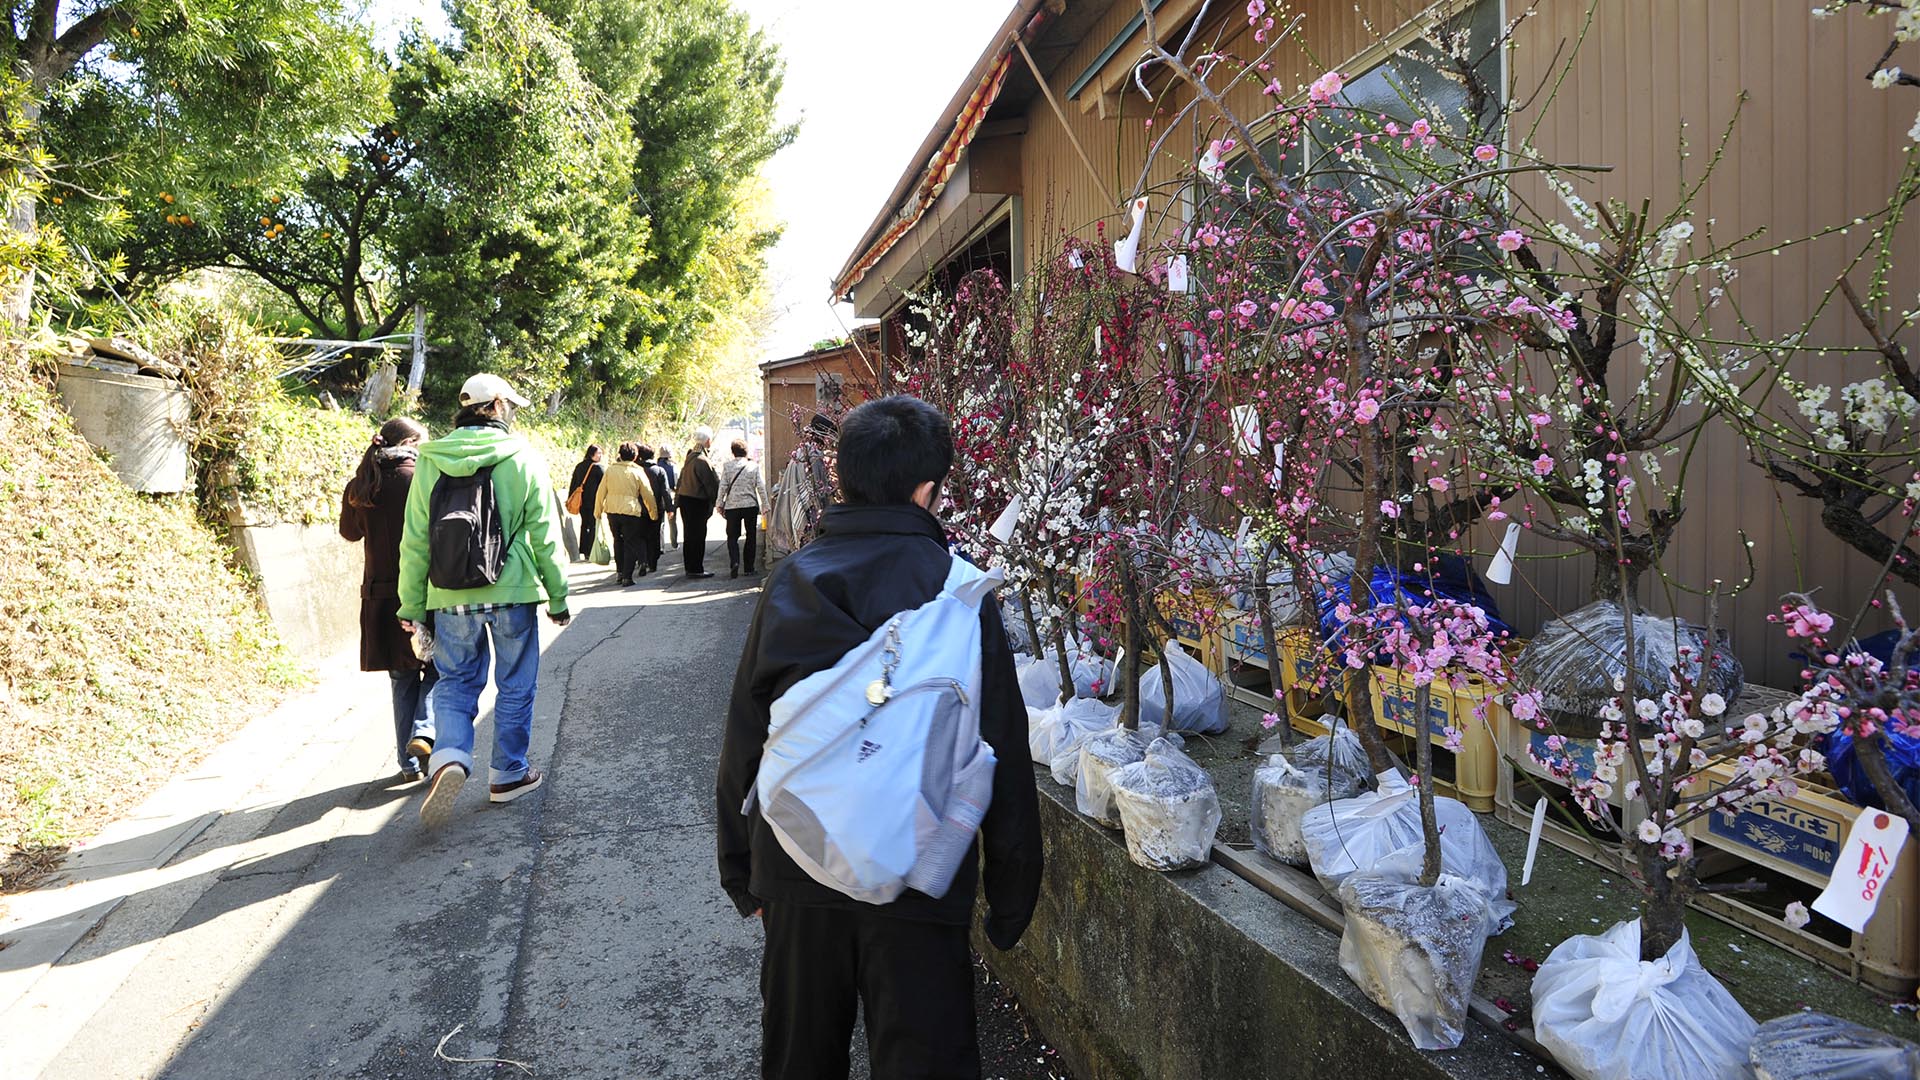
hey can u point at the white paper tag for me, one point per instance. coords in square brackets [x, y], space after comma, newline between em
[1097, 339]
[1003, 525]
[1500, 570]
[1860, 874]
[1279, 455]
[1240, 535]
[1533, 839]
[1177, 274]
[1246, 428]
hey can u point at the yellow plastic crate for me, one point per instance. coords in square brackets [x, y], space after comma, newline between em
[1477, 762]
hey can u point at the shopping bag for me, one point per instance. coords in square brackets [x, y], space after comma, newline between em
[602, 554]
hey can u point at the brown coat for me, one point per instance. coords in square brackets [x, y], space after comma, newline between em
[384, 644]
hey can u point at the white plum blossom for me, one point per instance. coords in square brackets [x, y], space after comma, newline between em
[1649, 831]
[1796, 915]
[1712, 705]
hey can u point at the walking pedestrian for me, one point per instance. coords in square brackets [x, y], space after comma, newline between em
[699, 486]
[626, 497]
[582, 492]
[663, 506]
[481, 543]
[373, 512]
[664, 459]
[742, 493]
[907, 962]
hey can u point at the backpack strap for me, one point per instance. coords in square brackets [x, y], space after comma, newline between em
[969, 584]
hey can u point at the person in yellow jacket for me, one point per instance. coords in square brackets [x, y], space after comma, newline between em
[626, 498]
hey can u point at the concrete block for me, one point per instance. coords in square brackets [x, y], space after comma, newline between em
[140, 421]
[310, 579]
[1198, 975]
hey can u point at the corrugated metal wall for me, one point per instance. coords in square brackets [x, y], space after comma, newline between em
[1814, 144]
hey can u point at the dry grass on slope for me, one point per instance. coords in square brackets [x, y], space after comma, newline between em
[127, 643]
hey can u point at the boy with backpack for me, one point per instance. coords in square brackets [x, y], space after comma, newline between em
[480, 543]
[875, 716]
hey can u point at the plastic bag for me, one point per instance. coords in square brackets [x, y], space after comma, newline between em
[1903, 757]
[1063, 727]
[1013, 619]
[601, 554]
[1092, 673]
[1451, 578]
[1101, 754]
[1039, 680]
[1605, 1015]
[1348, 835]
[1333, 766]
[1414, 949]
[1082, 719]
[1573, 662]
[1199, 701]
[1815, 1046]
[1169, 808]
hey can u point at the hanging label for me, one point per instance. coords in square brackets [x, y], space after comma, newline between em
[1003, 525]
[1533, 839]
[1177, 274]
[1240, 535]
[1860, 874]
[1500, 570]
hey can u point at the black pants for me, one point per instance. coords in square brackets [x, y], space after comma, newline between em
[693, 520]
[649, 544]
[626, 543]
[915, 979]
[588, 523]
[747, 518]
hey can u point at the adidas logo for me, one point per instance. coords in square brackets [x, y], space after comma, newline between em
[868, 748]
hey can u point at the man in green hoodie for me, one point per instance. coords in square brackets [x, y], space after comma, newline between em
[464, 619]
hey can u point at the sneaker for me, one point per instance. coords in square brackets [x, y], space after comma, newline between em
[420, 748]
[411, 776]
[438, 806]
[510, 792]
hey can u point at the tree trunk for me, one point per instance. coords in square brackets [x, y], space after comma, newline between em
[1663, 920]
[1059, 636]
[23, 218]
[1873, 758]
[1130, 603]
[1269, 642]
[1423, 764]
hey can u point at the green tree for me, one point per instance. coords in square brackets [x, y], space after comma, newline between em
[162, 106]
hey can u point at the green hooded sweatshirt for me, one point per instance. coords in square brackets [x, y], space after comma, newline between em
[524, 495]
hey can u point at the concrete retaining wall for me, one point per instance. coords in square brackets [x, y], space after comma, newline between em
[1133, 974]
[310, 580]
[140, 421]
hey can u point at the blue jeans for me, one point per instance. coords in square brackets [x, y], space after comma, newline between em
[412, 708]
[460, 652]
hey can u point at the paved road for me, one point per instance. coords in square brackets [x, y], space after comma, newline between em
[580, 930]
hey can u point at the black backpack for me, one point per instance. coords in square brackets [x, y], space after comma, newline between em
[466, 544]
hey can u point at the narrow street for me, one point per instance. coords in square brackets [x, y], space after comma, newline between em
[323, 933]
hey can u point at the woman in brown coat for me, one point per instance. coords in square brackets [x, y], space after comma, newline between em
[373, 510]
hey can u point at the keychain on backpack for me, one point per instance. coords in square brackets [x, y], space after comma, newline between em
[880, 689]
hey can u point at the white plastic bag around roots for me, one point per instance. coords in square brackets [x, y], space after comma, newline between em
[1100, 755]
[1605, 1015]
[1354, 834]
[1083, 719]
[1199, 701]
[1332, 766]
[1039, 680]
[1815, 1046]
[1092, 673]
[1169, 808]
[1415, 949]
[1060, 728]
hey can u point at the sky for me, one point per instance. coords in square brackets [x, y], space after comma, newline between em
[866, 80]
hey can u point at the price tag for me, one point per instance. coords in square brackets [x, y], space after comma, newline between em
[1860, 874]
[1003, 526]
[1177, 274]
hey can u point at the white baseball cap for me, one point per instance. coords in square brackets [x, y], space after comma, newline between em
[483, 388]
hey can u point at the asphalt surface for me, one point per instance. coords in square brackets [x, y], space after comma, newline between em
[580, 931]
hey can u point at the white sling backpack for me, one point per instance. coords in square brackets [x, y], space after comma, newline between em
[874, 776]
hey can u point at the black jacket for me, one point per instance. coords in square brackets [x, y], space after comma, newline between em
[586, 477]
[662, 495]
[870, 563]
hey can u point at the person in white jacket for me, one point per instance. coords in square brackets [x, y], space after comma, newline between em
[742, 493]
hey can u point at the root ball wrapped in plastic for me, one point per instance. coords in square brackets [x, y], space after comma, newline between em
[1349, 835]
[1056, 732]
[1039, 680]
[1199, 701]
[1605, 1015]
[1332, 766]
[1092, 673]
[1574, 661]
[1168, 807]
[1815, 1046]
[1100, 755]
[1415, 949]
